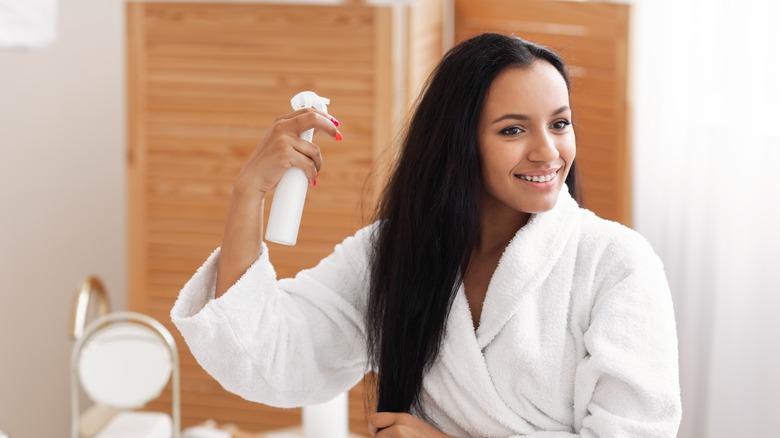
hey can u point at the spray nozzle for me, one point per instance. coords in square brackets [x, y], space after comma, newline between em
[309, 99]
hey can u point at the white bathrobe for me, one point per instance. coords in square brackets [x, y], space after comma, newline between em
[576, 338]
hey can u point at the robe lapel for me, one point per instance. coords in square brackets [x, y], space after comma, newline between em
[525, 264]
[460, 369]
[459, 389]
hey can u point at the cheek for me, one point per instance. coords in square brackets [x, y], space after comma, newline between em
[568, 149]
[491, 158]
[568, 152]
[496, 166]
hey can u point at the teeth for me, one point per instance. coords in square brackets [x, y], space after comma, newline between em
[543, 178]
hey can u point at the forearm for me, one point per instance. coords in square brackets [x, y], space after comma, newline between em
[242, 239]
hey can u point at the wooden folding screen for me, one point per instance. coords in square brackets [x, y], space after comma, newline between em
[592, 37]
[206, 79]
[204, 82]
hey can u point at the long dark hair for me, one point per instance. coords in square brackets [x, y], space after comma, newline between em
[429, 215]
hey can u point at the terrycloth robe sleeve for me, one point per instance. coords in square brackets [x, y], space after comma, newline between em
[627, 385]
[630, 376]
[267, 340]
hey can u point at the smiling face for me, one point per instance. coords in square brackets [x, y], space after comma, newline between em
[526, 141]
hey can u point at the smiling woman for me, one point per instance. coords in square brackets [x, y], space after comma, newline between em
[486, 299]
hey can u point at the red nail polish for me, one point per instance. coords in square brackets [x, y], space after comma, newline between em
[335, 122]
[315, 183]
[339, 136]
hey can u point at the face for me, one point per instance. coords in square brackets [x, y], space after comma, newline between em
[526, 140]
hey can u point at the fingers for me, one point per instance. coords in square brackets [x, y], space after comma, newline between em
[310, 151]
[309, 118]
[401, 425]
[282, 148]
[381, 420]
[292, 125]
[306, 157]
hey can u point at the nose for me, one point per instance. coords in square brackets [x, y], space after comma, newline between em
[544, 148]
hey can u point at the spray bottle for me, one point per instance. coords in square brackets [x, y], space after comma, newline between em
[290, 194]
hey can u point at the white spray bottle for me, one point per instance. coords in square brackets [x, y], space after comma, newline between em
[290, 194]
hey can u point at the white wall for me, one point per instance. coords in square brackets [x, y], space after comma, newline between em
[62, 203]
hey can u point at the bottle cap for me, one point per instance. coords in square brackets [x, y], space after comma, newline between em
[309, 99]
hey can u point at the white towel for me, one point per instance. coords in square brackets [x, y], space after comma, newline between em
[576, 338]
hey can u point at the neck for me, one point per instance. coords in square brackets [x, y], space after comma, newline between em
[499, 224]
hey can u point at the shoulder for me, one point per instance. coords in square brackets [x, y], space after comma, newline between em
[623, 272]
[361, 240]
[350, 255]
[357, 248]
[615, 246]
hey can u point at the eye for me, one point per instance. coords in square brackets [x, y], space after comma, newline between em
[512, 130]
[560, 125]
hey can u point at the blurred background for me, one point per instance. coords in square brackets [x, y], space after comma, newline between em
[123, 124]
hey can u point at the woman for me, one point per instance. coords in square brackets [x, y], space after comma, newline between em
[489, 303]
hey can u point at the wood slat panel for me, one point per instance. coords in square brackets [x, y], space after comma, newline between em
[424, 45]
[592, 37]
[204, 83]
[553, 17]
[216, 84]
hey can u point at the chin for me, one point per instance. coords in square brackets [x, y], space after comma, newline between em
[540, 207]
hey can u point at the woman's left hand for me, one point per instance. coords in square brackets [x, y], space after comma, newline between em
[395, 425]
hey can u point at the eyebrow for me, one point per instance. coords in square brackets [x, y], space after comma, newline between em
[525, 117]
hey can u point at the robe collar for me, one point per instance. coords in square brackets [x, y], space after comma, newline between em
[525, 263]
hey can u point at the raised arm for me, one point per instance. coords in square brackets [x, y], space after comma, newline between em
[280, 149]
[286, 343]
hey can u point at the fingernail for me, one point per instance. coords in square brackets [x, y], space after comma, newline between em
[315, 183]
[339, 136]
[335, 122]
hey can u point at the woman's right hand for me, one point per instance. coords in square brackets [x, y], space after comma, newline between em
[282, 148]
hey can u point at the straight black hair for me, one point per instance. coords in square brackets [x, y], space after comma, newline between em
[428, 215]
